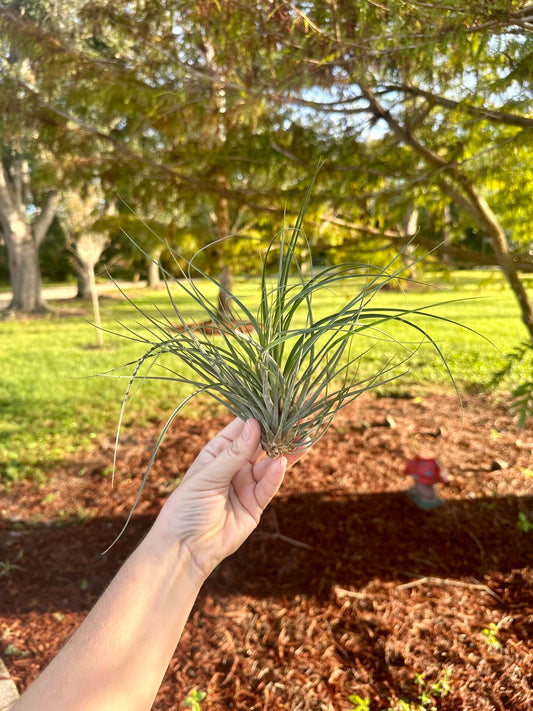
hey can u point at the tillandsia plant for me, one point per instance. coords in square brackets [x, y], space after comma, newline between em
[288, 369]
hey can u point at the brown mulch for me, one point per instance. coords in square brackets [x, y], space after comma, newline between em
[345, 588]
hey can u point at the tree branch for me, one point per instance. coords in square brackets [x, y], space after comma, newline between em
[117, 144]
[43, 222]
[470, 201]
[337, 106]
[502, 117]
[286, 153]
[365, 229]
[460, 254]
[6, 198]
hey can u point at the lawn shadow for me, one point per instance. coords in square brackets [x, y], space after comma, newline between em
[305, 544]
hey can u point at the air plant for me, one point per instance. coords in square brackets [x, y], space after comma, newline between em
[290, 371]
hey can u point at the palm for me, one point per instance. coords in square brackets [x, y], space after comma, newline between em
[221, 498]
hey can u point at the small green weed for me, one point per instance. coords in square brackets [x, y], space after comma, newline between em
[359, 704]
[78, 515]
[12, 651]
[7, 567]
[524, 524]
[194, 699]
[491, 635]
[427, 695]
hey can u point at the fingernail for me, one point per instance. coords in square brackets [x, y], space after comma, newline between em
[247, 431]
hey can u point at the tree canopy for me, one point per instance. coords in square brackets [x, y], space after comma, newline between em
[211, 116]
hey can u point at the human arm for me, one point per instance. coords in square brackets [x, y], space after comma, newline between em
[117, 658]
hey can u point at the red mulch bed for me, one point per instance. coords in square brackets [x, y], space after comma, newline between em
[345, 588]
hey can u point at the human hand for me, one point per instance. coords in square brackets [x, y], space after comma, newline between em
[221, 498]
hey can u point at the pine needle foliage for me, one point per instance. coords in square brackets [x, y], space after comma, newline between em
[278, 363]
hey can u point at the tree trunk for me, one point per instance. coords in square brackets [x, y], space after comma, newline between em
[225, 280]
[23, 240]
[96, 307]
[24, 271]
[223, 229]
[84, 283]
[470, 200]
[87, 248]
[409, 229]
[222, 224]
[447, 218]
[154, 274]
[499, 243]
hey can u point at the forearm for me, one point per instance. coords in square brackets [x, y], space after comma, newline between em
[117, 658]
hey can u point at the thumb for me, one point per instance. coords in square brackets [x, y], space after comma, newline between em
[241, 450]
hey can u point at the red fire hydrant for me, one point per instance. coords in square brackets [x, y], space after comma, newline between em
[426, 472]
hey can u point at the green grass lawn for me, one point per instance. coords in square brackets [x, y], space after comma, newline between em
[53, 402]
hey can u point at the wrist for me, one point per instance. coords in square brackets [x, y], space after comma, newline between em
[172, 557]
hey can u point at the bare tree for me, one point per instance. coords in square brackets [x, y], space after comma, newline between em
[88, 249]
[87, 244]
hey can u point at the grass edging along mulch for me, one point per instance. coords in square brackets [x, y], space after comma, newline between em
[344, 589]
